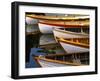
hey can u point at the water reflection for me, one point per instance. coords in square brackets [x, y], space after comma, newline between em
[44, 43]
[46, 39]
[31, 41]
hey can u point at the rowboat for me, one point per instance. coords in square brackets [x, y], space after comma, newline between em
[41, 58]
[60, 60]
[47, 22]
[47, 26]
[53, 63]
[74, 45]
[67, 33]
[58, 17]
[68, 23]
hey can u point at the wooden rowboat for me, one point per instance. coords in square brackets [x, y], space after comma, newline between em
[67, 33]
[55, 17]
[47, 26]
[75, 45]
[60, 60]
[45, 62]
[71, 23]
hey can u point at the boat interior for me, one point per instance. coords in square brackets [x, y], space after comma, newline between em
[67, 59]
[57, 17]
[66, 22]
[82, 42]
[77, 30]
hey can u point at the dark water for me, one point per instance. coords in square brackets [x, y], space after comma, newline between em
[31, 41]
[39, 42]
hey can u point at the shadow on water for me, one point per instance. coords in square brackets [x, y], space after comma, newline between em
[31, 41]
[39, 44]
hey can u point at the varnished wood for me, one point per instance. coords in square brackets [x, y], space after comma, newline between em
[60, 62]
[85, 44]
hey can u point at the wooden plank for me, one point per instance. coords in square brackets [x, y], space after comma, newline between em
[67, 54]
[73, 43]
[55, 17]
[61, 62]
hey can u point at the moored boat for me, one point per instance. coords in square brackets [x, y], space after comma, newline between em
[45, 58]
[75, 45]
[46, 62]
[59, 17]
[46, 23]
[67, 33]
[58, 60]
[68, 23]
[47, 26]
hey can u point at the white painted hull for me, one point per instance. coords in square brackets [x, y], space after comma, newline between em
[67, 34]
[44, 63]
[31, 20]
[46, 29]
[73, 48]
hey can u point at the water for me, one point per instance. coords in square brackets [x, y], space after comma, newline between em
[32, 27]
[38, 42]
[31, 41]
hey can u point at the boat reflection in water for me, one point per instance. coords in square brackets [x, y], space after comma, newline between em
[40, 45]
[31, 41]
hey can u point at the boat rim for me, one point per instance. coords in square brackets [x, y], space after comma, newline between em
[57, 61]
[73, 43]
[65, 31]
[56, 18]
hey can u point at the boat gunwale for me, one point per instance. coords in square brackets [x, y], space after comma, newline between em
[65, 54]
[69, 25]
[56, 18]
[73, 43]
[69, 32]
[57, 61]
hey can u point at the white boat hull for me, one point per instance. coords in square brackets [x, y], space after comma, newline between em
[46, 29]
[44, 63]
[66, 34]
[73, 48]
